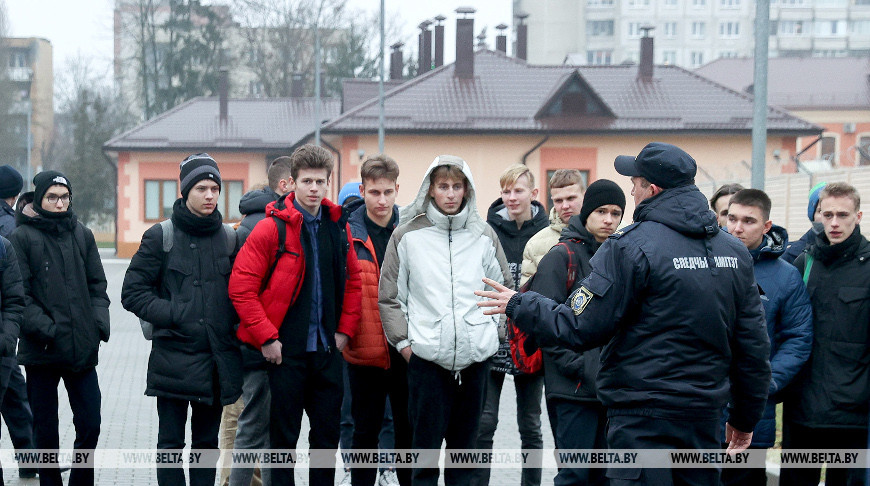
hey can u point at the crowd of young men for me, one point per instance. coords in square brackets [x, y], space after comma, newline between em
[668, 333]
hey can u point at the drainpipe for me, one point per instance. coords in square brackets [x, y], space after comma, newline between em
[537, 145]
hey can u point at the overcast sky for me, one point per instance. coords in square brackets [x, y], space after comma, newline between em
[84, 27]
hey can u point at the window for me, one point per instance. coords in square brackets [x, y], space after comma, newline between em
[787, 3]
[791, 27]
[729, 30]
[862, 2]
[670, 3]
[861, 27]
[638, 3]
[599, 3]
[699, 30]
[599, 28]
[728, 54]
[729, 3]
[830, 27]
[159, 198]
[864, 150]
[669, 57]
[697, 58]
[634, 30]
[670, 29]
[599, 58]
[699, 3]
[18, 59]
[828, 149]
[231, 194]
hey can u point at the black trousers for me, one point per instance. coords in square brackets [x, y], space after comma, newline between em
[370, 388]
[15, 407]
[642, 429]
[311, 383]
[205, 420]
[796, 436]
[578, 425]
[745, 476]
[444, 406]
[83, 389]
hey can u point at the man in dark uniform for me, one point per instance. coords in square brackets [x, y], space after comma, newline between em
[674, 302]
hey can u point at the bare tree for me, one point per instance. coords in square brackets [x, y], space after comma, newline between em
[279, 40]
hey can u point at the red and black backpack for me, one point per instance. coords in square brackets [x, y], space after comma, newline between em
[525, 352]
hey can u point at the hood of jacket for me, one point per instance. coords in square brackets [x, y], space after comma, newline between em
[773, 244]
[471, 219]
[576, 231]
[253, 202]
[683, 209]
[497, 216]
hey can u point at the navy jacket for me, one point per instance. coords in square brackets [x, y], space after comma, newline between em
[789, 317]
[675, 303]
[795, 248]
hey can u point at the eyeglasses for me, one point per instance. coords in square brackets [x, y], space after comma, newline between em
[53, 198]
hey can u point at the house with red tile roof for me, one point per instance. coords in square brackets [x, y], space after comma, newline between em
[243, 136]
[833, 92]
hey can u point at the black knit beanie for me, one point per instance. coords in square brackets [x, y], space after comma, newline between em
[196, 168]
[44, 180]
[601, 193]
[11, 182]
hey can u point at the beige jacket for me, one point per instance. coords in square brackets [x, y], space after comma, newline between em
[539, 245]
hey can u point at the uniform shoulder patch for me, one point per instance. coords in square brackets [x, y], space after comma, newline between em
[620, 233]
[579, 300]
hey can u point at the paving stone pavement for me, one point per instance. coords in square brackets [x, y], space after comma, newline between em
[129, 418]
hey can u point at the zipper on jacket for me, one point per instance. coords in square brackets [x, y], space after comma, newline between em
[452, 294]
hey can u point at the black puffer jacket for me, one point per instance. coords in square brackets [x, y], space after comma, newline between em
[833, 388]
[513, 240]
[567, 373]
[194, 320]
[66, 311]
[11, 300]
[675, 303]
[253, 207]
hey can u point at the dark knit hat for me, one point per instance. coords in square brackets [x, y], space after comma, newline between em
[11, 182]
[601, 193]
[196, 168]
[46, 179]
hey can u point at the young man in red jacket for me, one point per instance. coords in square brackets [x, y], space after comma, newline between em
[302, 309]
[376, 370]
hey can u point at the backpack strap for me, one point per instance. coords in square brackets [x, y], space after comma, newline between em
[808, 266]
[231, 239]
[168, 234]
[81, 242]
[281, 226]
[572, 266]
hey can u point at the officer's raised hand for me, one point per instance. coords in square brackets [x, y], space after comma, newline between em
[500, 297]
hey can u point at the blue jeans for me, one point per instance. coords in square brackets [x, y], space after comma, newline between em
[252, 430]
[529, 392]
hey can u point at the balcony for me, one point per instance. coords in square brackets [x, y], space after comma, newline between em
[20, 74]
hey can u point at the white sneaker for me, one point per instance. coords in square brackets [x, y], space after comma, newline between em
[345, 480]
[388, 478]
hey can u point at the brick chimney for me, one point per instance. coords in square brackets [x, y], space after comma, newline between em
[501, 38]
[645, 67]
[464, 67]
[439, 40]
[425, 47]
[522, 36]
[297, 85]
[223, 94]
[396, 61]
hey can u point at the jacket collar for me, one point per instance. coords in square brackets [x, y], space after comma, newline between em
[445, 222]
[284, 209]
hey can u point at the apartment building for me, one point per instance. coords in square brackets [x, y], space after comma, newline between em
[689, 33]
[29, 71]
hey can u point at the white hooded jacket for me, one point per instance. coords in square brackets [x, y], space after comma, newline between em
[432, 266]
